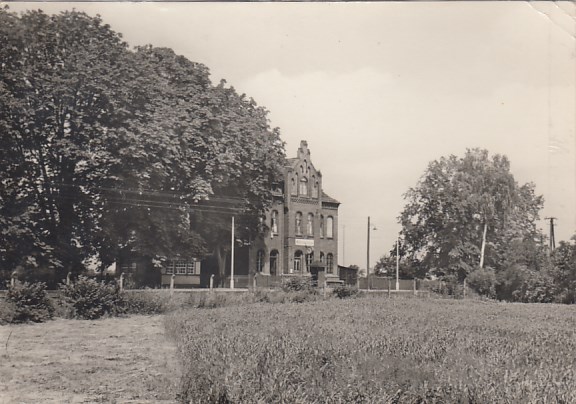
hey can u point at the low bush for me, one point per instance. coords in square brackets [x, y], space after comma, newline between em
[296, 284]
[345, 291]
[89, 299]
[483, 281]
[27, 302]
[146, 302]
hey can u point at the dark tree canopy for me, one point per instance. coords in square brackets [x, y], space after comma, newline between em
[459, 199]
[104, 148]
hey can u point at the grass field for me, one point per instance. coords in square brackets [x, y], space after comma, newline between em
[378, 350]
[372, 349]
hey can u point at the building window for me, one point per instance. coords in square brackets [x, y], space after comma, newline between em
[310, 225]
[329, 263]
[304, 187]
[299, 223]
[322, 258]
[293, 189]
[260, 261]
[330, 227]
[321, 226]
[274, 222]
[274, 262]
[315, 190]
[298, 261]
[181, 267]
[309, 260]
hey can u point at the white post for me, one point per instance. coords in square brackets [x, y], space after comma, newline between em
[398, 263]
[483, 245]
[232, 257]
[172, 283]
[68, 278]
[211, 282]
[122, 281]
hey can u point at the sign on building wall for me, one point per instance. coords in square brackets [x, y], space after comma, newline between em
[305, 242]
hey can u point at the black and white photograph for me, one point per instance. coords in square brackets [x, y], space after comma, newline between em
[288, 202]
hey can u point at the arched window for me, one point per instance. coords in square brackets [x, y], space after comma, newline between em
[298, 261]
[315, 190]
[299, 223]
[329, 263]
[321, 226]
[260, 261]
[274, 262]
[310, 225]
[330, 227]
[293, 188]
[274, 222]
[309, 259]
[304, 187]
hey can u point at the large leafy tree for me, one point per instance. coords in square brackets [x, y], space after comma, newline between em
[107, 149]
[466, 212]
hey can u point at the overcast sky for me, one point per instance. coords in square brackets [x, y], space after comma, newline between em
[381, 89]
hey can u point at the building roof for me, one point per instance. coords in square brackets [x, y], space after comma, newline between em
[328, 198]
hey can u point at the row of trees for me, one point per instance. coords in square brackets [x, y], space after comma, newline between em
[469, 219]
[106, 149]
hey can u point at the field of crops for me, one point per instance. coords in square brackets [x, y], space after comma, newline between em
[377, 350]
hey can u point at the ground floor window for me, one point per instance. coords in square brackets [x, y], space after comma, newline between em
[181, 267]
[273, 262]
[309, 259]
[260, 261]
[329, 263]
[298, 261]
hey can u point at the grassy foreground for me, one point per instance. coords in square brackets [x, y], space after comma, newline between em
[377, 350]
[112, 360]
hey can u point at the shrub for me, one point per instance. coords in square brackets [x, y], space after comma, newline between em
[89, 299]
[28, 302]
[146, 302]
[296, 284]
[344, 291]
[483, 282]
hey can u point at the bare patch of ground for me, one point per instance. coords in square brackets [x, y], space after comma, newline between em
[113, 360]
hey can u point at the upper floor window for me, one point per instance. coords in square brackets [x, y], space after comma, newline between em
[304, 187]
[321, 226]
[299, 223]
[310, 225]
[274, 222]
[315, 190]
[330, 227]
[293, 188]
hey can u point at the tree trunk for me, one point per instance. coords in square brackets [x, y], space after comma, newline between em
[483, 245]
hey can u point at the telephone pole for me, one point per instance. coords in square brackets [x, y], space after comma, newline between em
[552, 239]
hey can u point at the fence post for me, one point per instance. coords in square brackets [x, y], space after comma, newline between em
[172, 284]
[388, 288]
[13, 280]
[211, 282]
[122, 281]
[254, 282]
[68, 278]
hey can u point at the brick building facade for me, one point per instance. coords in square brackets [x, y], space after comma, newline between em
[302, 224]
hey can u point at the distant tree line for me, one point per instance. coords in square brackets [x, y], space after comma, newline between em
[469, 220]
[106, 149]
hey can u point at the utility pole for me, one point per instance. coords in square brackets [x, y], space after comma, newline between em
[232, 257]
[552, 239]
[368, 255]
[398, 263]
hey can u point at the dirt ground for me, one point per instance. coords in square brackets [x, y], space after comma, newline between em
[114, 360]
